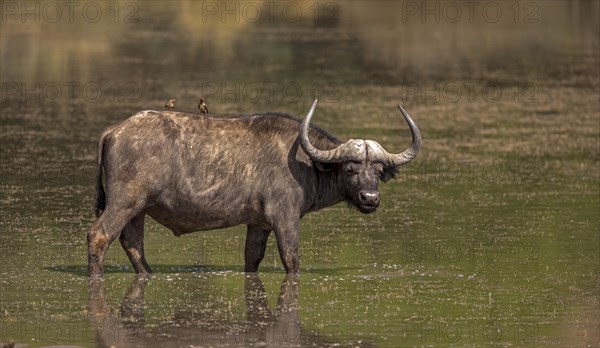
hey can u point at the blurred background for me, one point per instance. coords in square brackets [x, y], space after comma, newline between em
[489, 237]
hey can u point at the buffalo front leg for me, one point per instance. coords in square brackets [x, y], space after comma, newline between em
[287, 234]
[132, 241]
[256, 245]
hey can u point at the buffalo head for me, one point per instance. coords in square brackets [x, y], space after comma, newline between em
[362, 163]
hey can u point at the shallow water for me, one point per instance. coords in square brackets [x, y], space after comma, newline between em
[490, 237]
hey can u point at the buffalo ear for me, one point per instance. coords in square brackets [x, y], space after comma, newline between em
[324, 167]
[389, 173]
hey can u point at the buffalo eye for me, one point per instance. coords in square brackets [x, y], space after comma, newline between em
[351, 168]
[378, 169]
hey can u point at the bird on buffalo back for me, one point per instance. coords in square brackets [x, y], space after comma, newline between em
[170, 104]
[202, 107]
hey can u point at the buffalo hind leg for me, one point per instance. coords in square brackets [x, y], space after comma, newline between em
[256, 244]
[132, 241]
[104, 231]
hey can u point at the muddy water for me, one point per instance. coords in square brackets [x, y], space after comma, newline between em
[489, 238]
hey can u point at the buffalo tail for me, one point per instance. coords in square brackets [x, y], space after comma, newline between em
[100, 198]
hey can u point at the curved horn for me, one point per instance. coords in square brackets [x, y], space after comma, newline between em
[413, 150]
[326, 156]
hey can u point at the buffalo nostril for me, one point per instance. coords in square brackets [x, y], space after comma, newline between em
[369, 197]
[376, 198]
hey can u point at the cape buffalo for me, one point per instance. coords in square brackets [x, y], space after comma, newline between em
[193, 173]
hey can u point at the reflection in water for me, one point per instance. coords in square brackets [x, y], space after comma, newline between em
[113, 329]
[263, 327]
[273, 328]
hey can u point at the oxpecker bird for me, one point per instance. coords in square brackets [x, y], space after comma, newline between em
[202, 107]
[170, 104]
